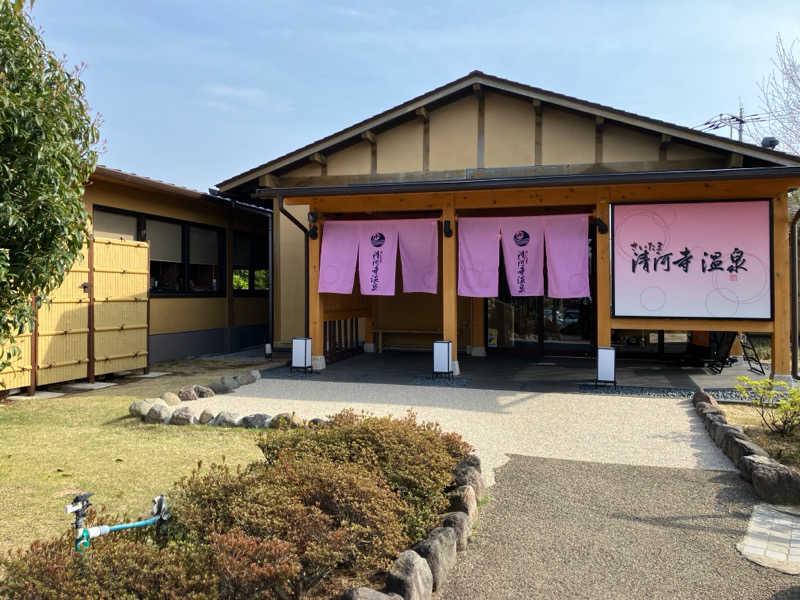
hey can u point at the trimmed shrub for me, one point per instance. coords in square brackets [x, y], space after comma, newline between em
[415, 459]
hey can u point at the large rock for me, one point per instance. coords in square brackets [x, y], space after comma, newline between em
[256, 374]
[141, 407]
[699, 406]
[462, 524]
[220, 388]
[363, 593]
[187, 394]
[245, 379]
[704, 409]
[317, 422]
[286, 421]
[158, 413]
[462, 499]
[171, 398]
[467, 475]
[701, 396]
[749, 462]
[257, 421]
[410, 577]
[720, 430]
[775, 483]
[206, 416]
[230, 382]
[203, 391]
[471, 461]
[185, 415]
[226, 419]
[736, 449]
[439, 550]
[710, 419]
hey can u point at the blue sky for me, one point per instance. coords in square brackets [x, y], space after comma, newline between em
[192, 92]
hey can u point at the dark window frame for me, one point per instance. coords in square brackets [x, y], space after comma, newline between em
[141, 236]
[250, 293]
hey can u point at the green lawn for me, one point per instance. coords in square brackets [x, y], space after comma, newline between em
[51, 450]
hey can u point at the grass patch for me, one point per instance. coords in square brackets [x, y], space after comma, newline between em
[784, 449]
[54, 449]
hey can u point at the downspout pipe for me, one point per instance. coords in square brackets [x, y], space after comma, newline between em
[304, 229]
[794, 291]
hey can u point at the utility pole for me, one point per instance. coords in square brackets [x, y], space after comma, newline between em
[741, 119]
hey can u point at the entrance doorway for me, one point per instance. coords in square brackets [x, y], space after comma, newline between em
[538, 325]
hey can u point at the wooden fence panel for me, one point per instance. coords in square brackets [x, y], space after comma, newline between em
[121, 283]
[18, 375]
[63, 329]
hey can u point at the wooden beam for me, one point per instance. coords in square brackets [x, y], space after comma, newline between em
[735, 160]
[663, 146]
[426, 145]
[477, 90]
[449, 296]
[318, 158]
[422, 113]
[315, 303]
[481, 145]
[599, 123]
[537, 132]
[269, 180]
[370, 138]
[781, 353]
[692, 324]
[603, 273]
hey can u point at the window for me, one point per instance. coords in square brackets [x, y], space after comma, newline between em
[114, 225]
[203, 259]
[250, 263]
[166, 256]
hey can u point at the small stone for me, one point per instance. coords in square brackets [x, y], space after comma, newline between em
[158, 413]
[462, 523]
[363, 593]
[226, 419]
[206, 416]
[775, 483]
[463, 500]
[204, 391]
[439, 550]
[140, 407]
[257, 421]
[185, 415]
[749, 462]
[187, 394]
[220, 388]
[286, 421]
[230, 382]
[171, 398]
[410, 577]
[737, 448]
[256, 374]
[466, 475]
[245, 379]
[317, 422]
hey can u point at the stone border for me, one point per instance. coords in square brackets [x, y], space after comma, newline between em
[773, 482]
[422, 570]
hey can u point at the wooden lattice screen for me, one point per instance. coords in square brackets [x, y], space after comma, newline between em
[97, 321]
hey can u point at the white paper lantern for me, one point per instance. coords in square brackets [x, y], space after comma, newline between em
[442, 358]
[301, 353]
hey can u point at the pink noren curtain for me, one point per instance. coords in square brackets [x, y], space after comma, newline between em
[567, 242]
[523, 254]
[419, 254]
[377, 257]
[337, 264]
[478, 256]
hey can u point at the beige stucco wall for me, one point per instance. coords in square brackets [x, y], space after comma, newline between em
[567, 138]
[679, 151]
[306, 170]
[509, 131]
[353, 160]
[454, 135]
[289, 277]
[622, 144]
[400, 148]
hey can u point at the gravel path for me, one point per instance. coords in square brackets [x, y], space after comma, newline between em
[566, 529]
[660, 432]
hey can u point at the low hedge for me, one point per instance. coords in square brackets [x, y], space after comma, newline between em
[327, 509]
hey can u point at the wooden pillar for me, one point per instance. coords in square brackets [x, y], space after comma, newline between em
[603, 275]
[781, 360]
[478, 328]
[315, 316]
[449, 292]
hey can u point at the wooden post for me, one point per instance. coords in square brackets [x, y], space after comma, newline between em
[780, 287]
[449, 296]
[478, 328]
[603, 274]
[34, 349]
[90, 353]
[315, 316]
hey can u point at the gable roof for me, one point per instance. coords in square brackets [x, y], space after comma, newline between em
[505, 85]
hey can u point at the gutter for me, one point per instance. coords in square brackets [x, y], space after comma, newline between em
[471, 183]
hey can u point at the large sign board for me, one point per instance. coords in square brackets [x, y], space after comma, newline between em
[692, 259]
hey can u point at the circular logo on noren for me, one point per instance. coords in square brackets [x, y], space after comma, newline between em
[377, 239]
[521, 238]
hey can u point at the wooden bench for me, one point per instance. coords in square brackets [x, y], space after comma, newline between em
[379, 333]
